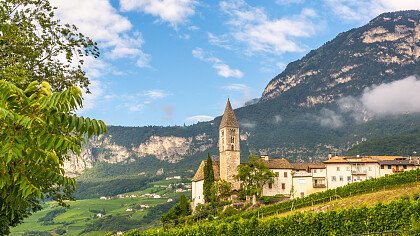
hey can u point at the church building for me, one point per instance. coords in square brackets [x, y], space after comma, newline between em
[295, 179]
[229, 157]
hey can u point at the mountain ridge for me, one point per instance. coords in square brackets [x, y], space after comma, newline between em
[298, 115]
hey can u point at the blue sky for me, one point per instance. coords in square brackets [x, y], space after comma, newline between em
[170, 62]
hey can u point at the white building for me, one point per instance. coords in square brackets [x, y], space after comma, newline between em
[283, 177]
[342, 170]
[308, 178]
[198, 182]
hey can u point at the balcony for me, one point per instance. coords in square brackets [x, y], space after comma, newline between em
[359, 172]
[319, 185]
[395, 170]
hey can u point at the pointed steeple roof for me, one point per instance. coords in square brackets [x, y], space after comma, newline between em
[229, 118]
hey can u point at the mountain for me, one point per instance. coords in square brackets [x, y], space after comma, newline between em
[312, 108]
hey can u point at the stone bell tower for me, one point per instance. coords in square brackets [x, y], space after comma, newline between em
[229, 148]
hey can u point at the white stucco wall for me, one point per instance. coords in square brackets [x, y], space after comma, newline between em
[197, 195]
[278, 181]
[341, 172]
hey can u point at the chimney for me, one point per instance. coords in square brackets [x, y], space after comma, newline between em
[358, 156]
[265, 157]
[329, 156]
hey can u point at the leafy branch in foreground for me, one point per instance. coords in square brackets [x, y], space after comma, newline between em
[35, 46]
[38, 130]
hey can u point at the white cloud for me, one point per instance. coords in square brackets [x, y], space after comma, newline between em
[248, 124]
[244, 89]
[155, 94]
[329, 118]
[171, 11]
[225, 71]
[252, 27]
[398, 97]
[199, 118]
[237, 87]
[288, 2]
[136, 107]
[395, 98]
[365, 10]
[221, 41]
[89, 99]
[277, 119]
[104, 25]
[222, 68]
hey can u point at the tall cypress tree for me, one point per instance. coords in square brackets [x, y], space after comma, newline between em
[184, 207]
[208, 179]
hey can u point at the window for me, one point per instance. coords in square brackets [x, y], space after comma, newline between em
[333, 178]
[233, 147]
[358, 178]
[277, 174]
[338, 168]
[302, 194]
[314, 170]
[270, 185]
[283, 186]
[382, 167]
[348, 178]
[285, 174]
[348, 168]
[389, 167]
[341, 178]
[321, 170]
[370, 168]
[405, 166]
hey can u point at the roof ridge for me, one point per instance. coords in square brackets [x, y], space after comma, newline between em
[229, 117]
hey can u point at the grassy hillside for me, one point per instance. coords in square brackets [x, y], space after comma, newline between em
[356, 203]
[407, 145]
[82, 218]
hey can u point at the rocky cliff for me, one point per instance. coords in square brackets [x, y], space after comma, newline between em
[297, 116]
[386, 49]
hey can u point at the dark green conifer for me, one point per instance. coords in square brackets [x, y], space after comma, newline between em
[208, 179]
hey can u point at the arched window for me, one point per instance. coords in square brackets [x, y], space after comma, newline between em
[233, 147]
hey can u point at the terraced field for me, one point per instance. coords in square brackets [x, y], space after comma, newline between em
[139, 209]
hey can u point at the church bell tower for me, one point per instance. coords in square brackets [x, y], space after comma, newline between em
[229, 148]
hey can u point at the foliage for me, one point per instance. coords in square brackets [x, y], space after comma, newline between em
[112, 223]
[404, 145]
[184, 207]
[397, 215]
[37, 47]
[36, 233]
[48, 219]
[253, 176]
[221, 190]
[181, 209]
[38, 129]
[208, 179]
[331, 194]
[110, 187]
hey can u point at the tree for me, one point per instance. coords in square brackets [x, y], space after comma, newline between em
[38, 130]
[208, 179]
[221, 190]
[253, 176]
[184, 206]
[34, 46]
[181, 209]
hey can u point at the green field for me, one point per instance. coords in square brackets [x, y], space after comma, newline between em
[119, 213]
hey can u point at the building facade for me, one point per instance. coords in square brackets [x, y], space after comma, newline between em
[295, 179]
